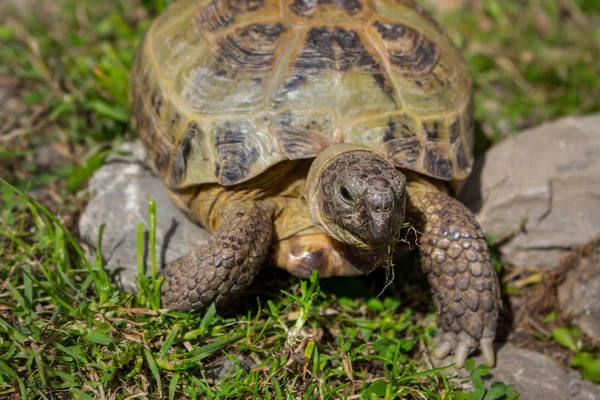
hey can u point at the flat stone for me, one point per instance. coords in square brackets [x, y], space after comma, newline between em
[579, 294]
[534, 375]
[120, 191]
[545, 180]
[537, 376]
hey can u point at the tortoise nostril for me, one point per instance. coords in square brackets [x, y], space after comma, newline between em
[381, 204]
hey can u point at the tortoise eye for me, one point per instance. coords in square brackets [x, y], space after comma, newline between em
[346, 196]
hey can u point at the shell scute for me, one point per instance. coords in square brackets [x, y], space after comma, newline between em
[236, 151]
[302, 134]
[435, 159]
[219, 14]
[182, 153]
[454, 128]
[434, 130]
[250, 49]
[411, 52]
[308, 8]
[463, 156]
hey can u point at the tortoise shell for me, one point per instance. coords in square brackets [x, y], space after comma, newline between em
[224, 89]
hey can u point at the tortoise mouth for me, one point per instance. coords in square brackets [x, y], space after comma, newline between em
[379, 229]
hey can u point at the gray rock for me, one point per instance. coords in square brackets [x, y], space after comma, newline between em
[120, 191]
[579, 294]
[537, 376]
[546, 180]
[534, 375]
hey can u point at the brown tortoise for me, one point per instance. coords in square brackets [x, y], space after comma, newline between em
[306, 128]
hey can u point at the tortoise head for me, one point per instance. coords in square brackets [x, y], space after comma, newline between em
[356, 196]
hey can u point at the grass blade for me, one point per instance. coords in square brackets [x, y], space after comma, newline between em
[154, 369]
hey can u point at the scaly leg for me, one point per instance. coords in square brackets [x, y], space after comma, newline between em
[455, 257]
[225, 266]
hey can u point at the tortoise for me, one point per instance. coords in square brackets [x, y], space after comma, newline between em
[307, 131]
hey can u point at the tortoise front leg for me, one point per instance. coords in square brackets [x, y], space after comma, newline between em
[225, 266]
[455, 257]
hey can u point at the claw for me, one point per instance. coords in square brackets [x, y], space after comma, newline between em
[487, 349]
[442, 350]
[461, 354]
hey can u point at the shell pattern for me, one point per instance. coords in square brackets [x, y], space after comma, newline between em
[224, 89]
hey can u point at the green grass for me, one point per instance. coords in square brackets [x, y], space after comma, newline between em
[66, 332]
